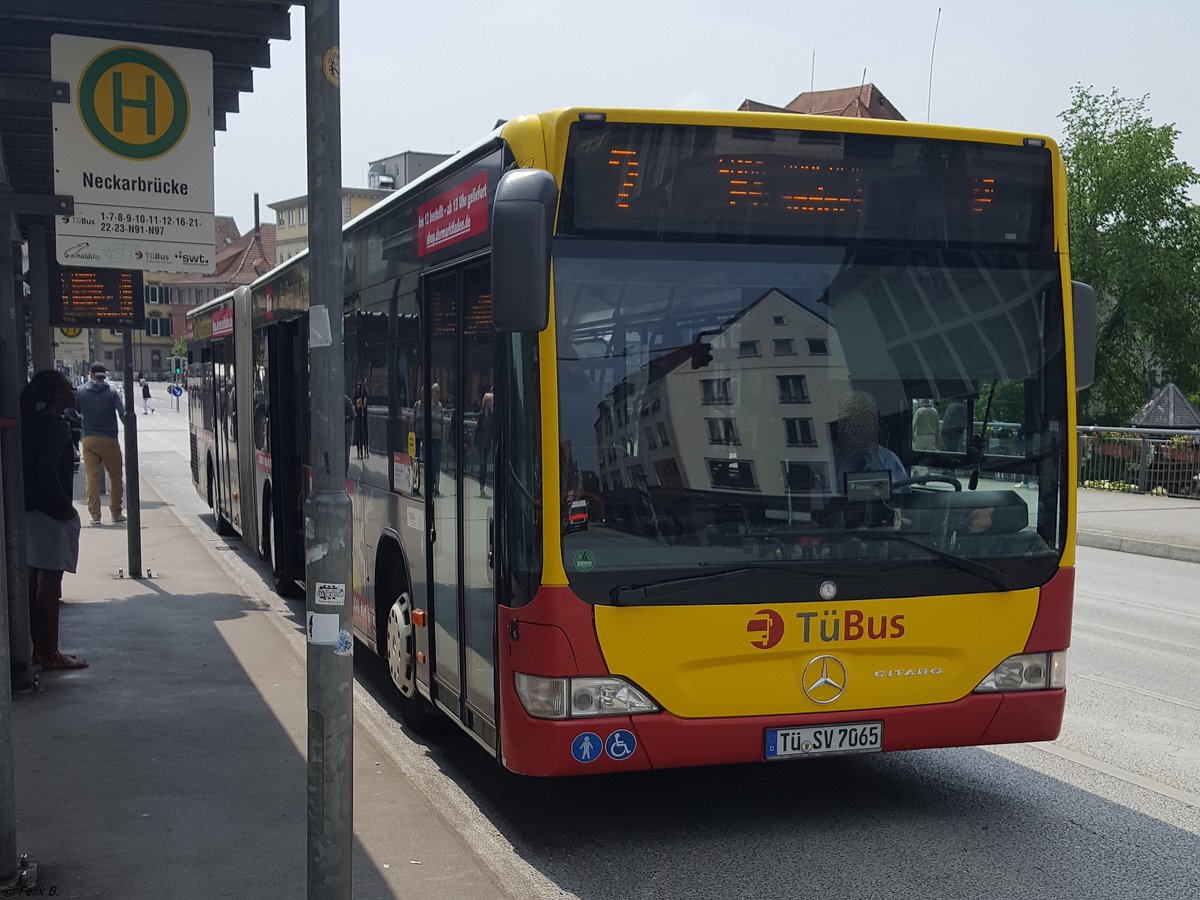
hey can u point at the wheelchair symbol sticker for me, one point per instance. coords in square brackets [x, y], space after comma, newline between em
[620, 745]
[586, 747]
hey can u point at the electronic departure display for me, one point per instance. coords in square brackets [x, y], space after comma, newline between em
[682, 182]
[98, 298]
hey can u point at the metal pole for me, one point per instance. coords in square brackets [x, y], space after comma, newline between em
[327, 508]
[8, 787]
[16, 648]
[133, 499]
[41, 342]
[12, 478]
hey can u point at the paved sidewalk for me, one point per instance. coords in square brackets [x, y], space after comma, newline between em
[174, 767]
[1166, 527]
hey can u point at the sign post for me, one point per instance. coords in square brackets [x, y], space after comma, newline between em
[133, 147]
[328, 522]
[133, 144]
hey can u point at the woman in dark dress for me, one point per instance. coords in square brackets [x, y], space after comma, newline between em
[484, 431]
[51, 522]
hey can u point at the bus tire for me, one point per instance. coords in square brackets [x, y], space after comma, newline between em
[284, 585]
[266, 548]
[400, 654]
[224, 528]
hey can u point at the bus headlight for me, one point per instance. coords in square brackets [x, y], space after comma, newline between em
[564, 698]
[608, 697]
[1027, 672]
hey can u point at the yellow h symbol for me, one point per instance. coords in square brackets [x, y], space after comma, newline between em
[120, 101]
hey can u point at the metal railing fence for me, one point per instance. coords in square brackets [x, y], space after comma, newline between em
[1140, 460]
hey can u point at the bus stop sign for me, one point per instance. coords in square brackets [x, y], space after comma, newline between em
[133, 146]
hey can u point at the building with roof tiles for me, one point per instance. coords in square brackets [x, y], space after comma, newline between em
[241, 258]
[863, 102]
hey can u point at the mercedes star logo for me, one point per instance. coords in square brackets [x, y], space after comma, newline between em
[824, 679]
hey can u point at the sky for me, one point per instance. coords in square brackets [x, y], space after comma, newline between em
[437, 76]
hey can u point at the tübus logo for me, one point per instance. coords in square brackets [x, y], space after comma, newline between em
[827, 627]
[767, 626]
[850, 625]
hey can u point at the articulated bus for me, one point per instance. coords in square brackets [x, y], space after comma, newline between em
[683, 438]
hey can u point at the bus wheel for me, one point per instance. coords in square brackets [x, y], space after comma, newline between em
[223, 527]
[266, 550]
[417, 713]
[285, 586]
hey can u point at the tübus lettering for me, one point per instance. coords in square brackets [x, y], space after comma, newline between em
[850, 625]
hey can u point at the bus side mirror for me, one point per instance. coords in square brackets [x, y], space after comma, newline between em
[522, 222]
[1083, 311]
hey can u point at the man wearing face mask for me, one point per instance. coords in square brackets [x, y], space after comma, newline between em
[857, 447]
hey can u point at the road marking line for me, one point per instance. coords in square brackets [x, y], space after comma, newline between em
[1125, 635]
[1117, 601]
[1149, 784]
[1137, 690]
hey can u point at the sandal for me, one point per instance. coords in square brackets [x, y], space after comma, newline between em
[63, 661]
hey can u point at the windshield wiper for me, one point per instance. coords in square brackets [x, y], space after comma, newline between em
[979, 444]
[640, 593]
[972, 567]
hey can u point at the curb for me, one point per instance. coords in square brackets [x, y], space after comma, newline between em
[1107, 541]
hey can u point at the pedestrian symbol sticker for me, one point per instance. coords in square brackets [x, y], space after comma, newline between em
[586, 747]
[620, 744]
[585, 561]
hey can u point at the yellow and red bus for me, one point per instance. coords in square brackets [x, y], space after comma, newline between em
[682, 438]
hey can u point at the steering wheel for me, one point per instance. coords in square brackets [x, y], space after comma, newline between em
[929, 479]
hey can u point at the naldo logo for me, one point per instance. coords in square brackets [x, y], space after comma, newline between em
[133, 103]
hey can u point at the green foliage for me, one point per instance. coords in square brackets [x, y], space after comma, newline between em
[1123, 487]
[1135, 237]
[180, 348]
[1008, 405]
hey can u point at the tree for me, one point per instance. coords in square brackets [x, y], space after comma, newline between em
[1135, 237]
[180, 348]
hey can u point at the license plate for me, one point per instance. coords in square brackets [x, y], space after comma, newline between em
[824, 740]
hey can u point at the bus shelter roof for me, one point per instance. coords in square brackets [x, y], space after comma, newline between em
[236, 32]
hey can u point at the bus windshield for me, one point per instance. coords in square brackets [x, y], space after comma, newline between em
[787, 414]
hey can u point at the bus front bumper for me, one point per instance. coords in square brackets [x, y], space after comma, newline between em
[661, 741]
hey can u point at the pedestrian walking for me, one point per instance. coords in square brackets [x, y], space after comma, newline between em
[437, 431]
[99, 406]
[51, 523]
[146, 407]
[926, 427]
[360, 420]
[482, 439]
[954, 427]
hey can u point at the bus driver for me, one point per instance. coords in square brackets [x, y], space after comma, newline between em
[857, 447]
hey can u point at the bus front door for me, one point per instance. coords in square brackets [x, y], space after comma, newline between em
[224, 433]
[458, 483]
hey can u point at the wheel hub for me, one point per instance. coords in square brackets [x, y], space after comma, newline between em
[400, 651]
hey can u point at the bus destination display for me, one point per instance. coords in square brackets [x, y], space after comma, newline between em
[98, 298]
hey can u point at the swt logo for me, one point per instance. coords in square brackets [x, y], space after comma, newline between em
[766, 628]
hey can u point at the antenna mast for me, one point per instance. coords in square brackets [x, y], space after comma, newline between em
[812, 80]
[929, 97]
